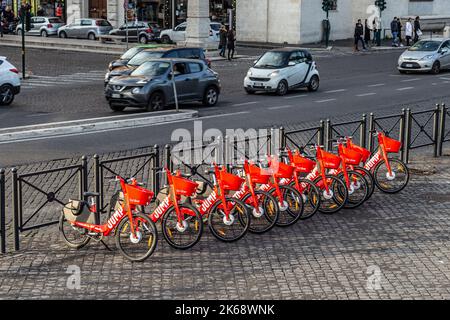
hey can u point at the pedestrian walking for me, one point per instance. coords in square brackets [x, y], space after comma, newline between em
[40, 11]
[359, 32]
[408, 31]
[367, 33]
[222, 40]
[374, 30]
[417, 30]
[231, 39]
[400, 26]
[394, 31]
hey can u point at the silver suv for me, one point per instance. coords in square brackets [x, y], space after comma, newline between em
[42, 26]
[85, 28]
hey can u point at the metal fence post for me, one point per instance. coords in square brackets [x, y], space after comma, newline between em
[154, 173]
[15, 205]
[269, 141]
[407, 135]
[363, 131]
[321, 135]
[328, 136]
[98, 185]
[436, 118]
[371, 130]
[442, 128]
[84, 177]
[282, 141]
[2, 212]
[401, 134]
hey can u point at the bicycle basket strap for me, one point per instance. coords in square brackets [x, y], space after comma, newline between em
[74, 206]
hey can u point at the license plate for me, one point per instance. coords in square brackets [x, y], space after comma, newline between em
[258, 84]
[115, 95]
[409, 65]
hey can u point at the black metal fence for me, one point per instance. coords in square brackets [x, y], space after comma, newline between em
[38, 196]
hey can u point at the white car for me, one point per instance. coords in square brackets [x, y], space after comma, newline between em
[179, 33]
[9, 82]
[280, 70]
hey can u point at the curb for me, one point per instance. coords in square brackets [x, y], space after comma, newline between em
[93, 50]
[83, 126]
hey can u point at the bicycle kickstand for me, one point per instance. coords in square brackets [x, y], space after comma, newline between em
[106, 246]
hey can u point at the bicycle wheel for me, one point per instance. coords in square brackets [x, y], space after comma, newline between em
[335, 199]
[183, 236]
[368, 176]
[395, 183]
[311, 198]
[291, 206]
[266, 215]
[141, 246]
[357, 191]
[74, 237]
[234, 228]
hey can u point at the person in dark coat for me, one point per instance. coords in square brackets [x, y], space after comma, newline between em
[223, 40]
[359, 32]
[231, 39]
[400, 26]
[367, 33]
[394, 31]
[417, 29]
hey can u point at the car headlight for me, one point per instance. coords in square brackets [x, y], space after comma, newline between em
[274, 74]
[429, 57]
[144, 81]
[249, 73]
[136, 90]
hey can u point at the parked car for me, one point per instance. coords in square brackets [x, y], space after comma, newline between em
[130, 53]
[9, 82]
[145, 55]
[141, 31]
[429, 55]
[280, 70]
[179, 33]
[42, 26]
[85, 28]
[150, 86]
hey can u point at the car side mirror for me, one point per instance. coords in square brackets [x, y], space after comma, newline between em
[291, 64]
[444, 50]
[254, 62]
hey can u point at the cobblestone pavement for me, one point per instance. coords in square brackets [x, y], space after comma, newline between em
[402, 238]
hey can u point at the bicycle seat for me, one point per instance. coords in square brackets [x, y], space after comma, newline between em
[91, 194]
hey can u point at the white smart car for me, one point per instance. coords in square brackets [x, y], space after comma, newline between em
[9, 82]
[280, 70]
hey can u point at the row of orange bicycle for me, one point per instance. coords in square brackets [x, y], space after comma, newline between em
[254, 197]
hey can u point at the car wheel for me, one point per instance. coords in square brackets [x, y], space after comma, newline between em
[62, 34]
[436, 67]
[91, 36]
[44, 34]
[249, 91]
[116, 108]
[314, 83]
[19, 32]
[156, 102]
[211, 96]
[6, 95]
[143, 39]
[165, 39]
[282, 88]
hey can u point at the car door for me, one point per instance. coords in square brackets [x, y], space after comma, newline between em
[194, 80]
[297, 72]
[40, 22]
[34, 24]
[73, 29]
[86, 25]
[179, 33]
[183, 81]
[445, 56]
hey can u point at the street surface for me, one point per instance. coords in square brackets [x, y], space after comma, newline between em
[69, 85]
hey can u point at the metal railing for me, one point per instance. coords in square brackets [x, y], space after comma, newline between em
[50, 195]
[2, 212]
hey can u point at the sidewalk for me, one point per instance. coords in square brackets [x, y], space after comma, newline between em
[401, 238]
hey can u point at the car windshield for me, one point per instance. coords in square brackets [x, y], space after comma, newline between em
[425, 46]
[152, 69]
[273, 60]
[131, 53]
[144, 56]
[103, 23]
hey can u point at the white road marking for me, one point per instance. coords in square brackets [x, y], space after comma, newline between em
[405, 88]
[280, 107]
[297, 96]
[41, 84]
[442, 78]
[410, 80]
[244, 104]
[336, 91]
[366, 94]
[326, 100]
[134, 127]
[376, 85]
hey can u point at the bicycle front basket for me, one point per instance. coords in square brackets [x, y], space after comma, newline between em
[392, 145]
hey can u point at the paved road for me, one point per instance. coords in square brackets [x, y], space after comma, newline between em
[67, 86]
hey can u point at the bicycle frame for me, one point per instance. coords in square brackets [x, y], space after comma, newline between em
[379, 156]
